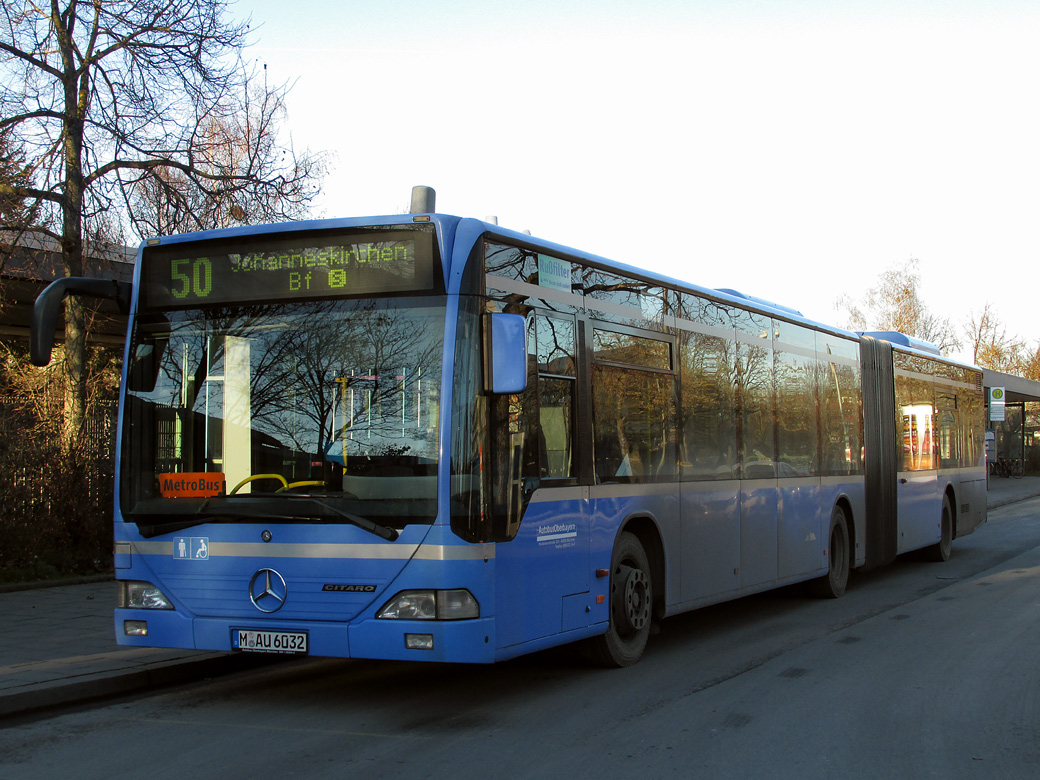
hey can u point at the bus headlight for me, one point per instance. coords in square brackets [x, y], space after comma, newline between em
[456, 604]
[134, 594]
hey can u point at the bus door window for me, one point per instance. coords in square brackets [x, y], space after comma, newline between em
[971, 418]
[915, 408]
[539, 423]
[796, 400]
[707, 362]
[841, 406]
[755, 397]
[553, 434]
[956, 415]
[949, 443]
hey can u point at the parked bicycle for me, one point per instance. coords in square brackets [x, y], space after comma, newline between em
[1002, 467]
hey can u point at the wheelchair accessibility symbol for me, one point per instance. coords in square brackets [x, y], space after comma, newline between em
[194, 548]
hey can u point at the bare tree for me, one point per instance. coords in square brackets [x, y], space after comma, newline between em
[1030, 367]
[15, 214]
[110, 93]
[223, 193]
[992, 347]
[894, 304]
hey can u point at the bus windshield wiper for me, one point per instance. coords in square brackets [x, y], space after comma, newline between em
[383, 531]
[326, 508]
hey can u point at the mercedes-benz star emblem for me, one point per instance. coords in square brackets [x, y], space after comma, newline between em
[267, 590]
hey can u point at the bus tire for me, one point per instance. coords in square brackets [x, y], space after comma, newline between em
[832, 584]
[631, 606]
[941, 550]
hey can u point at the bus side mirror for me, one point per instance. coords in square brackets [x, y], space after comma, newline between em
[143, 371]
[48, 307]
[507, 353]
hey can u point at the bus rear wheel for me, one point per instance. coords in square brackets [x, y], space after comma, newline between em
[832, 584]
[631, 606]
[941, 551]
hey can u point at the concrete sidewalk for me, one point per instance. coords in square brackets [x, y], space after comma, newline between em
[58, 647]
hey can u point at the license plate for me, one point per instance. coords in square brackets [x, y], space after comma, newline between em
[253, 641]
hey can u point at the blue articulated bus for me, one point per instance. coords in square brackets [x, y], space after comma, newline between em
[431, 438]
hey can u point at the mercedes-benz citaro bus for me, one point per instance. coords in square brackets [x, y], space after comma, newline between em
[431, 438]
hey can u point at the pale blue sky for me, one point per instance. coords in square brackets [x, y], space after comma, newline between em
[792, 150]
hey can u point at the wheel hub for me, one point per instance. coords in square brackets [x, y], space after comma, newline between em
[632, 607]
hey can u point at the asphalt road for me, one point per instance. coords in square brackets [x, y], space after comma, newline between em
[921, 670]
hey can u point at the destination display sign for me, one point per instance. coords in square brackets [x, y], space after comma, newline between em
[268, 268]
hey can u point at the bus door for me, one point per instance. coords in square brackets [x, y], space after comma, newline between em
[918, 486]
[710, 536]
[917, 489]
[543, 578]
[803, 528]
[759, 493]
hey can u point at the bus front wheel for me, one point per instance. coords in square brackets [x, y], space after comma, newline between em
[631, 605]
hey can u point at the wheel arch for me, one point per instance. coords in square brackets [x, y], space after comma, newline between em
[845, 503]
[646, 530]
[950, 494]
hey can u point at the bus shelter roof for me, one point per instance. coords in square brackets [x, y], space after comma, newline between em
[1016, 388]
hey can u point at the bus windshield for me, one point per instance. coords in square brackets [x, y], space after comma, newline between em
[308, 410]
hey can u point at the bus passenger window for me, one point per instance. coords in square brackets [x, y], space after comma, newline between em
[554, 417]
[634, 425]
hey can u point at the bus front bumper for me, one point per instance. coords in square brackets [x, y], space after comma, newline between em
[457, 641]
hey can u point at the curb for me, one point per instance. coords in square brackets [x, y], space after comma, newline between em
[14, 587]
[1012, 500]
[110, 685]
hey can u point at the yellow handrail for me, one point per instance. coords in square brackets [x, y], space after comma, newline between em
[307, 483]
[279, 477]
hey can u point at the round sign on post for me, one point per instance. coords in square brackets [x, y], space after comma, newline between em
[996, 404]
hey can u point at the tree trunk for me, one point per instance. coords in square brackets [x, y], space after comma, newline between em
[76, 103]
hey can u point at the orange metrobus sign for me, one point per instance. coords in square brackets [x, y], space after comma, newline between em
[197, 484]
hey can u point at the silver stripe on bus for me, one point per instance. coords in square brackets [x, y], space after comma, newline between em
[709, 485]
[617, 309]
[801, 351]
[630, 490]
[533, 291]
[706, 330]
[934, 379]
[824, 357]
[424, 552]
[444, 552]
[843, 479]
[729, 334]
[754, 341]
[544, 495]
